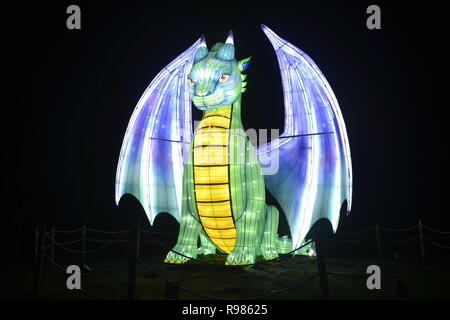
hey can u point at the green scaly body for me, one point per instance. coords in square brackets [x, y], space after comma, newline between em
[223, 197]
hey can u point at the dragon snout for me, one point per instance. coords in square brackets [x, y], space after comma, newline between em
[203, 94]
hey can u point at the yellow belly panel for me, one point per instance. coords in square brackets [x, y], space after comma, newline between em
[210, 155]
[214, 209]
[212, 192]
[211, 178]
[221, 234]
[211, 136]
[216, 121]
[217, 223]
[216, 174]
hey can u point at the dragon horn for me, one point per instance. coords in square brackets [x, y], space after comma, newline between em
[202, 41]
[230, 38]
[202, 50]
[226, 52]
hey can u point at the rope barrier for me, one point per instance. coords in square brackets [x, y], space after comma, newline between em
[436, 244]
[106, 245]
[218, 298]
[69, 242]
[105, 241]
[388, 276]
[176, 285]
[85, 251]
[357, 276]
[152, 242]
[53, 262]
[357, 231]
[105, 270]
[350, 241]
[154, 232]
[397, 230]
[107, 232]
[66, 231]
[392, 244]
[241, 265]
[174, 233]
[84, 274]
[434, 230]
[67, 249]
[161, 243]
[400, 240]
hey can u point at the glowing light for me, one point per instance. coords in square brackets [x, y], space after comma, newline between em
[141, 170]
[315, 173]
[164, 165]
[311, 252]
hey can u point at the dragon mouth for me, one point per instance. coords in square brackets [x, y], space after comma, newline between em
[213, 100]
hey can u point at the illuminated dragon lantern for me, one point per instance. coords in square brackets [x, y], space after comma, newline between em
[212, 180]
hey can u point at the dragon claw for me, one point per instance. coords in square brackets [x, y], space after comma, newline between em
[272, 258]
[241, 256]
[177, 261]
[269, 254]
[237, 263]
[180, 254]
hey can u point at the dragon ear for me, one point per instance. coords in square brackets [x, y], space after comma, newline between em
[243, 64]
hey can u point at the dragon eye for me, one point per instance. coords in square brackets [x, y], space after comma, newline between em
[191, 82]
[224, 77]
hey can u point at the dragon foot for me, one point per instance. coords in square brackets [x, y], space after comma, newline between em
[269, 253]
[241, 256]
[181, 254]
[205, 250]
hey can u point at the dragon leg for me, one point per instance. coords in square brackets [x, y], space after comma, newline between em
[247, 232]
[249, 225]
[186, 246]
[268, 249]
[206, 246]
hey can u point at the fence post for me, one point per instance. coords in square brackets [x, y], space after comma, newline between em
[134, 244]
[36, 247]
[138, 244]
[322, 271]
[83, 244]
[422, 246]
[38, 267]
[52, 252]
[377, 231]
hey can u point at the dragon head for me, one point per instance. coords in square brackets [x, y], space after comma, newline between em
[215, 79]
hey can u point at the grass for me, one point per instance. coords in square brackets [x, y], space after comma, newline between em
[211, 278]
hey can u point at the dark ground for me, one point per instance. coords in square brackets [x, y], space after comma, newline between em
[429, 282]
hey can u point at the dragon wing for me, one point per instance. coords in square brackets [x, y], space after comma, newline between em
[151, 159]
[314, 175]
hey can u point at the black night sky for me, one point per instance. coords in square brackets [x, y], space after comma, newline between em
[74, 92]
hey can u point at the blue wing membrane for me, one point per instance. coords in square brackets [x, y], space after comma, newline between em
[151, 159]
[314, 175]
